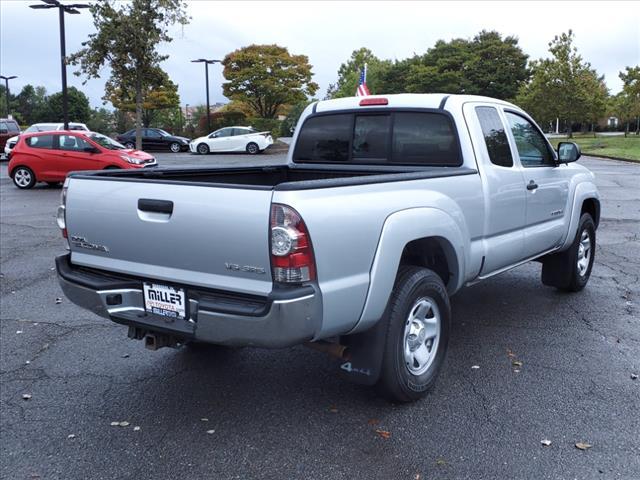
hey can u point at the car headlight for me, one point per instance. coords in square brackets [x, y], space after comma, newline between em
[134, 161]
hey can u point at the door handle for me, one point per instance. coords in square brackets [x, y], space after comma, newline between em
[155, 206]
[532, 185]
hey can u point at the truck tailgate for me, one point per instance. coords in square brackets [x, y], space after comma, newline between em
[213, 237]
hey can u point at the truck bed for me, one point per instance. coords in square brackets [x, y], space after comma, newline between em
[284, 177]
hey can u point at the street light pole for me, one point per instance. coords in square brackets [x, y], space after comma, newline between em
[62, 9]
[206, 77]
[6, 89]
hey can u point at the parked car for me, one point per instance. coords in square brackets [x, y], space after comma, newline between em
[8, 129]
[50, 156]
[42, 127]
[232, 139]
[155, 139]
[388, 206]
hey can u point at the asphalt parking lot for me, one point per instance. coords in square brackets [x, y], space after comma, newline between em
[285, 414]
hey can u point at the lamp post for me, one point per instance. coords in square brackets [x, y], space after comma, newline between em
[6, 89]
[206, 77]
[62, 9]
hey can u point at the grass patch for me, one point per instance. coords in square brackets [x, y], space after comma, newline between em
[619, 147]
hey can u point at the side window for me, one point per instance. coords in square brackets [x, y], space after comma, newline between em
[4, 128]
[41, 141]
[532, 147]
[72, 143]
[225, 132]
[324, 139]
[370, 136]
[152, 133]
[13, 127]
[424, 139]
[494, 136]
[240, 131]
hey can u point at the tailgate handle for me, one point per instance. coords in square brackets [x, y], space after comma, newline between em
[156, 206]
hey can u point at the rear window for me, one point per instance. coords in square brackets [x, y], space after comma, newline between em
[494, 136]
[10, 126]
[407, 138]
[41, 141]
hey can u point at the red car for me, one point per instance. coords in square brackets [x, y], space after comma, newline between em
[50, 156]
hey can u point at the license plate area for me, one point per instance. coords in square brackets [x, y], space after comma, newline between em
[164, 300]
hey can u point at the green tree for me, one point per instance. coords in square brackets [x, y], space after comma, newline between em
[101, 120]
[349, 74]
[291, 120]
[563, 86]
[128, 34]
[267, 77]
[160, 93]
[79, 109]
[630, 101]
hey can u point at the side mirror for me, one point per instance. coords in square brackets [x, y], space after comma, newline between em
[91, 150]
[568, 152]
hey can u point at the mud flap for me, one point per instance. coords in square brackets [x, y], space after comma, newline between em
[364, 361]
[556, 269]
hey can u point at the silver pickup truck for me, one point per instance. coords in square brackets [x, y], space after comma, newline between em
[387, 206]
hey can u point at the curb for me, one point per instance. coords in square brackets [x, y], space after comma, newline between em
[607, 157]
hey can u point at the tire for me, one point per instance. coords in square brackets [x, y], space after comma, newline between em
[130, 146]
[202, 148]
[418, 319]
[175, 147]
[570, 270]
[23, 178]
[252, 148]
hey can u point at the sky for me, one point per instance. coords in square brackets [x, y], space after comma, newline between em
[607, 35]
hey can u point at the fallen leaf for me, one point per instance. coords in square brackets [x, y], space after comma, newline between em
[510, 354]
[475, 367]
[634, 376]
[441, 462]
[583, 446]
[115, 424]
[516, 363]
[58, 301]
[26, 396]
[546, 443]
[383, 433]
[211, 432]
[333, 409]
[517, 370]
[18, 332]
[123, 424]
[27, 362]
[416, 476]
[71, 435]
[136, 429]
[373, 421]
[126, 355]
[204, 419]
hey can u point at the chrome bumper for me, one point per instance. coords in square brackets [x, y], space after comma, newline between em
[285, 321]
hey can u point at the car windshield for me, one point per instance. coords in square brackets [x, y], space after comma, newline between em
[106, 142]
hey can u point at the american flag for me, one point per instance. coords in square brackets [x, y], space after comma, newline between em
[363, 90]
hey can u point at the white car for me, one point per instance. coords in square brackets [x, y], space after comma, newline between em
[42, 127]
[232, 139]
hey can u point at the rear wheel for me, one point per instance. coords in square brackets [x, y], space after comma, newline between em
[203, 148]
[174, 147]
[24, 178]
[418, 320]
[252, 148]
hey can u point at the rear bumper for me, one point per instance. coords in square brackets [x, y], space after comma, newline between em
[287, 317]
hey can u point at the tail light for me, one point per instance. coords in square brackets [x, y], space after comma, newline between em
[61, 214]
[292, 259]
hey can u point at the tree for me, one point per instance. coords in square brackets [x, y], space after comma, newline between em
[630, 101]
[267, 77]
[128, 34]
[563, 86]
[79, 109]
[159, 94]
[349, 74]
[291, 120]
[101, 120]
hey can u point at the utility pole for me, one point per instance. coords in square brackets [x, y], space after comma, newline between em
[206, 77]
[62, 9]
[6, 89]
